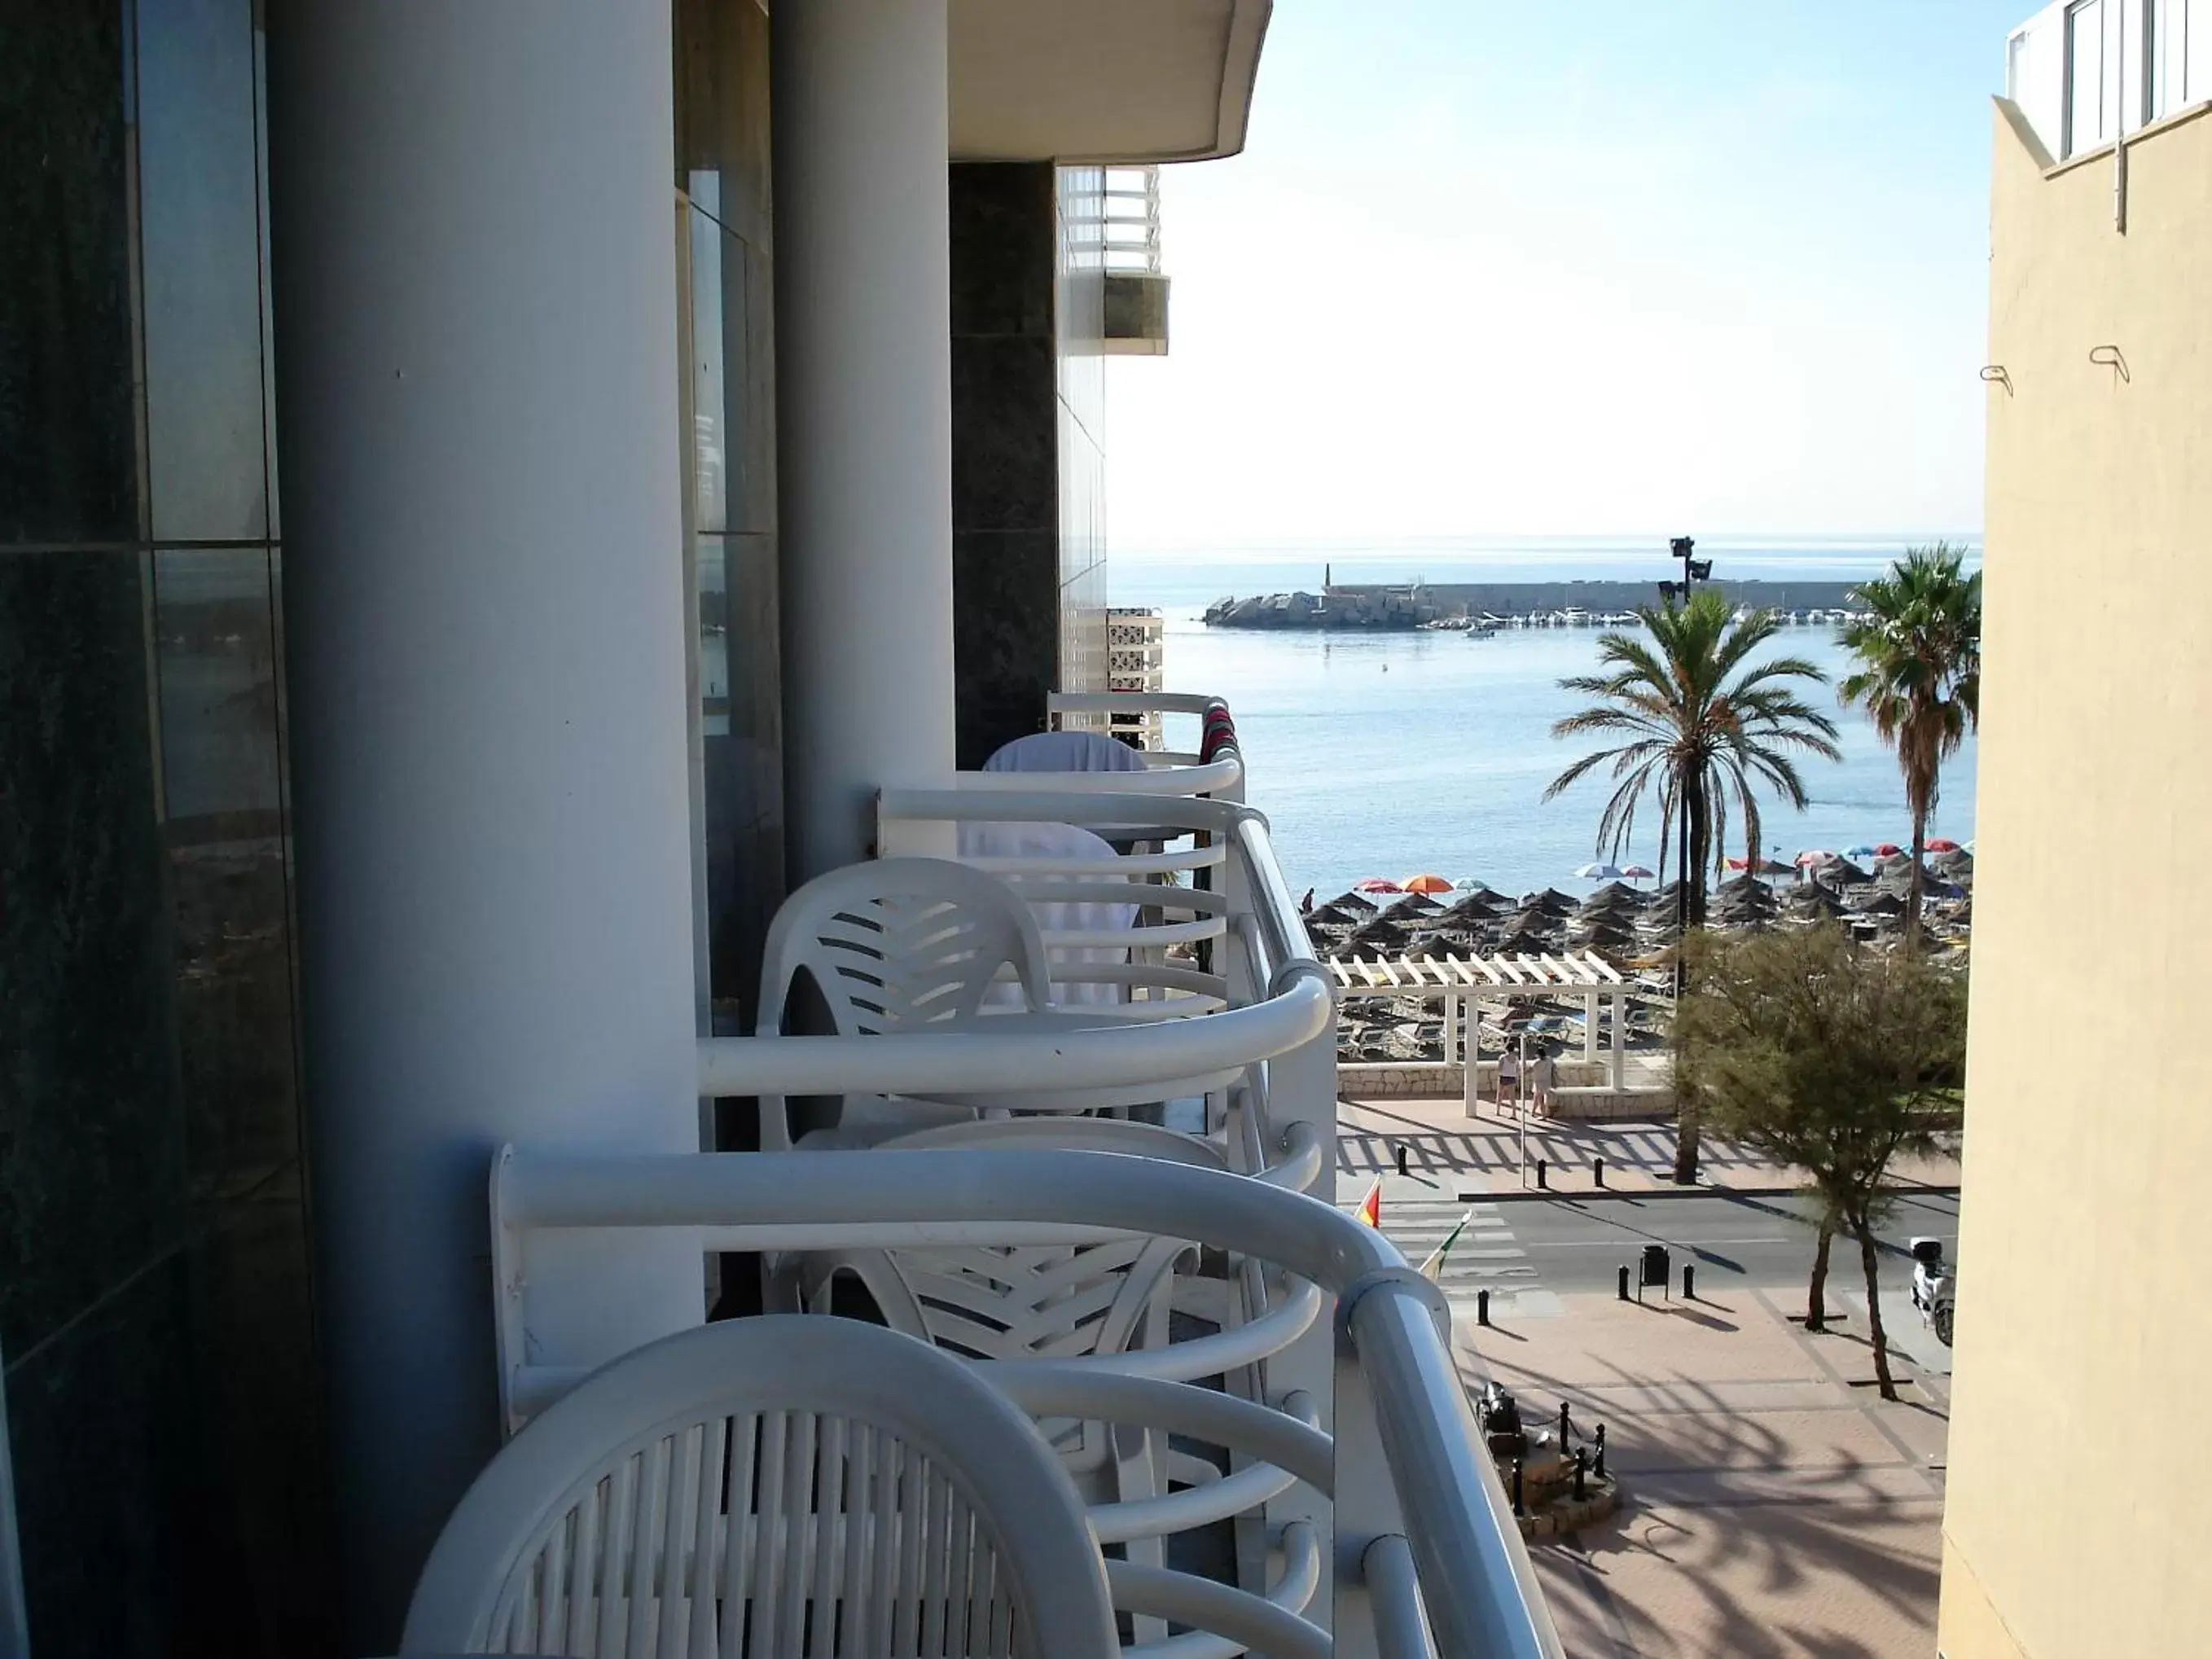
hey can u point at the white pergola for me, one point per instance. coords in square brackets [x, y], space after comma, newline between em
[1457, 981]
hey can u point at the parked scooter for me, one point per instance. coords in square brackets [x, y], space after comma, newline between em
[1934, 1287]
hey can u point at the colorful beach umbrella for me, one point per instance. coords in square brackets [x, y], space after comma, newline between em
[1377, 884]
[1862, 851]
[1940, 845]
[1815, 858]
[1599, 872]
[1427, 884]
[1636, 872]
[1739, 863]
[1887, 849]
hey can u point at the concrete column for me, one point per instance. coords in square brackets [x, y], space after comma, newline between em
[1620, 1042]
[1589, 1026]
[864, 384]
[475, 292]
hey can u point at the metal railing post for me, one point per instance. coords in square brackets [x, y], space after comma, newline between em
[1301, 1089]
[1366, 1511]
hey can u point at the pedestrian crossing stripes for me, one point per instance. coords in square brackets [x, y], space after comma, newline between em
[1486, 1258]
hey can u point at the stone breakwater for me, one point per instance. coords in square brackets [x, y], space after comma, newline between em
[1375, 607]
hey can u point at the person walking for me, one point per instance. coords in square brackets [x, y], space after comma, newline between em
[1508, 1075]
[1542, 1071]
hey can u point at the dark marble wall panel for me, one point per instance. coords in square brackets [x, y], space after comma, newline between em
[155, 1288]
[1006, 597]
[1006, 467]
[68, 420]
[722, 167]
[1005, 471]
[742, 710]
[92, 1142]
[215, 627]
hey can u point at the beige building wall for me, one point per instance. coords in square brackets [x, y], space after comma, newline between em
[2080, 1455]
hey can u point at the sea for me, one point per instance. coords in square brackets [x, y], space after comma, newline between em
[1392, 754]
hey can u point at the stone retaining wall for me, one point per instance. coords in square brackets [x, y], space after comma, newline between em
[1598, 1105]
[1412, 1079]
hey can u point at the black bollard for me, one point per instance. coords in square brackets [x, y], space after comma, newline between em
[1689, 1282]
[1624, 1282]
[1401, 1150]
[1482, 1307]
[1518, 1507]
[1542, 1166]
[1597, 1170]
[1582, 1461]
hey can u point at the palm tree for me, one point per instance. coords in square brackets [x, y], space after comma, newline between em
[1704, 726]
[1918, 646]
[1695, 732]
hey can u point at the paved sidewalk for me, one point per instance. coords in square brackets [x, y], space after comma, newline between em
[1773, 1506]
[1449, 1152]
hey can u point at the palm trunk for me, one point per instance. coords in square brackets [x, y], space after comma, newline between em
[1816, 1294]
[1869, 1262]
[1919, 852]
[1700, 850]
[1696, 847]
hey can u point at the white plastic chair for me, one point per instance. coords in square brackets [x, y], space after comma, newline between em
[1027, 1301]
[781, 1487]
[895, 944]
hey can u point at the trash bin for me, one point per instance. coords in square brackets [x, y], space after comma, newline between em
[1654, 1270]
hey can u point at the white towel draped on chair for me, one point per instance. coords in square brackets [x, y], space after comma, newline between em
[1056, 840]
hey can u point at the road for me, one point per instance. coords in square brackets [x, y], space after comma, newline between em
[1579, 1244]
[1527, 1252]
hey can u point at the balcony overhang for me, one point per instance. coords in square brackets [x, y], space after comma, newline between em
[1120, 81]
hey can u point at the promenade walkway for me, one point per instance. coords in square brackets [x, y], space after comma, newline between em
[1776, 1506]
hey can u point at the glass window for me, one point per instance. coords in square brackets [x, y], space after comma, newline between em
[2084, 76]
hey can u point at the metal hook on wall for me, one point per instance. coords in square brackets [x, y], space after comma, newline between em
[2109, 355]
[1997, 371]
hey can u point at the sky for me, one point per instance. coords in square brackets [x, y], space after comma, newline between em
[1613, 268]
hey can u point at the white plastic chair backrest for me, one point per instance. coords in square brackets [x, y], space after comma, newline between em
[780, 1487]
[898, 943]
[1026, 1301]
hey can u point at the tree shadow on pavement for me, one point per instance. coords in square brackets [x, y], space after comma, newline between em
[1733, 1537]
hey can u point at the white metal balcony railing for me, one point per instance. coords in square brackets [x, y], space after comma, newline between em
[1367, 1515]
[1130, 233]
[2086, 72]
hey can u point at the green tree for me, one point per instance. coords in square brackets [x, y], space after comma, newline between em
[1704, 726]
[1917, 646]
[1832, 1057]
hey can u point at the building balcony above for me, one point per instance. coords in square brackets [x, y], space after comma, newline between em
[1102, 80]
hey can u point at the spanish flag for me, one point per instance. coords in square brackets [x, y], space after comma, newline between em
[1370, 1207]
[1433, 1269]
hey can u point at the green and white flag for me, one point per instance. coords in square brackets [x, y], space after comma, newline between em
[1433, 1269]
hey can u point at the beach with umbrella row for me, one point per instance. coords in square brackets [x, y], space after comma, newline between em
[1864, 889]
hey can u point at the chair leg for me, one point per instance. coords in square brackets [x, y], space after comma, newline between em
[1139, 1456]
